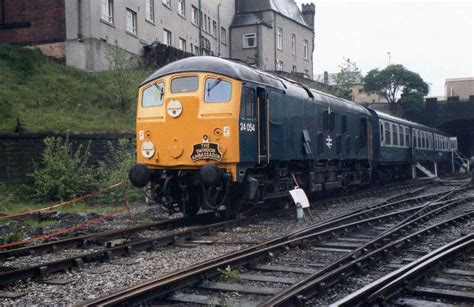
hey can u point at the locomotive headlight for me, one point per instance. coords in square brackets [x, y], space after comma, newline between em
[148, 149]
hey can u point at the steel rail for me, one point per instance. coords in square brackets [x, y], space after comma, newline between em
[161, 286]
[127, 248]
[382, 289]
[317, 283]
[85, 240]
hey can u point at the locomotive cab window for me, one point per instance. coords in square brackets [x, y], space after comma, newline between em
[184, 85]
[249, 101]
[153, 95]
[217, 90]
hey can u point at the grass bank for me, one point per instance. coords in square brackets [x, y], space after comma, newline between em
[48, 96]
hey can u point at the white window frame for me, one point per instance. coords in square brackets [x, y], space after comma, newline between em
[293, 43]
[167, 37]
[182, 44]
[107, 11]
[280, 38]
[132, 23]
[280, 65]
[182, 8]
[194, 15]
[150, 11]
[305, 49]
[245, 38]
[223, 35]
[166, 3]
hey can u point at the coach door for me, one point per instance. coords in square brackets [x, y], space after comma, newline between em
[263, 126]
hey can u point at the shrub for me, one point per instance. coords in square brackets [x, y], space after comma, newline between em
[64, 172]
[114, 168]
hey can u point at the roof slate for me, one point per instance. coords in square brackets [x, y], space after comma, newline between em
[287, 8]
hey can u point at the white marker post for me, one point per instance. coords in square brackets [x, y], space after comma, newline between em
[300, 199]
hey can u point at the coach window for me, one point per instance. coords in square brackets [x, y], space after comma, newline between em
[381, 133]
[325, 120]
[407, 137]
[418, 137]
[153, 95]
[343, 124]
[184, 85]
[395, 134]
[387, 134]
[332, 121]
[217, 90]
[402, 137]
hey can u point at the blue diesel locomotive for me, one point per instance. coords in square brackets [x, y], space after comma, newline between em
[218, 135]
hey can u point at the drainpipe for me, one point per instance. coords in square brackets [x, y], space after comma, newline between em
[275, 46]
[200, 27]
[79, 20]
[219, 29]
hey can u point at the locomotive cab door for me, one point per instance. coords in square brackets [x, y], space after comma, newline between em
[263, 126]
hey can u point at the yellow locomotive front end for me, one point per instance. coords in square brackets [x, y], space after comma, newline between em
[187, 140]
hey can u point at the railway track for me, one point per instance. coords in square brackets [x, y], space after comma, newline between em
[443, 274]
[9, 275]
[102, 238]
[363, 233]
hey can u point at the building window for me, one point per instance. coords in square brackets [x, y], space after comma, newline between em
[167, 3]
[182, 44]
[204, 22]
[150, 10]
[306, 73]
[166, 37]
[293, 43]
[294, 68]
[279, 65]
[223, 35]
[250, 40]
[181, 8]
[131, 22]
[305, 49]
[196, 50]
[209, 24]
[107, 12]
[280, 38]
[214, 28]
[194, 15]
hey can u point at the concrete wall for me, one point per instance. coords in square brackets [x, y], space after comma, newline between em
[20, 152]
[86, 45]
[462, 87]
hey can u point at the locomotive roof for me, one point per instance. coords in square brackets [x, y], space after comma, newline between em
[403, 121]
[245, 72]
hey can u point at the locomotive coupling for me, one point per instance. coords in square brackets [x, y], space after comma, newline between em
[211, 175]
[139, 175]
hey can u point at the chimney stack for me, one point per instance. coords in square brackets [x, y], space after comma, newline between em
[308, 11]
[326, 78]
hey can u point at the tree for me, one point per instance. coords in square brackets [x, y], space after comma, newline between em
[119, 64]
[349, 74]
[392, 80]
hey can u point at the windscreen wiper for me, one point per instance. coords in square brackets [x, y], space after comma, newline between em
[213, 85]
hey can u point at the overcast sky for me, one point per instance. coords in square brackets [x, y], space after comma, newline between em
[432, 38]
